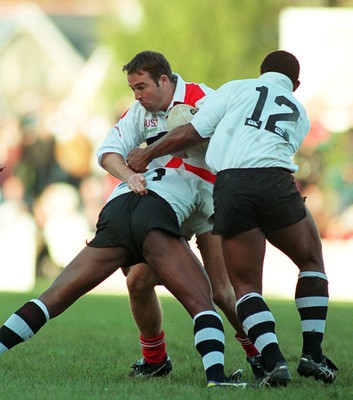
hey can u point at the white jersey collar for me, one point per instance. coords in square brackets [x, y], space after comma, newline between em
[179, 93]
[178, 96]
[278, 78]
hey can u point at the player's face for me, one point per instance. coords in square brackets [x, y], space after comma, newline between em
[151, 96]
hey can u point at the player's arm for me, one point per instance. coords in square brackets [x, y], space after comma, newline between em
[123, 137]
[179, 138]
[115, 164]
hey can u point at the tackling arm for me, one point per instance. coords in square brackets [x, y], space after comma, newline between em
[177, 139]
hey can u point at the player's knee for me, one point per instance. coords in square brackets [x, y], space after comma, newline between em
[141, 281]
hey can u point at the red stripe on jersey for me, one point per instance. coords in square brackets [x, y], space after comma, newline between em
[193, 93]
[175, 162]
[201, 172]
[124, 113]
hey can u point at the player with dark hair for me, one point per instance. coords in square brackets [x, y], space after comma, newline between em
[132, 229]
[157, 90]
[282, 62]
[255, 126]
[152, 62]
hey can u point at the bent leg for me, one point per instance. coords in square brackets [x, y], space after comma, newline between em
[144, 303]
[244, 255]
[147, 312]
[179, 270]
[89, 268]
[301, 242]
[210, 247]
[182, 274]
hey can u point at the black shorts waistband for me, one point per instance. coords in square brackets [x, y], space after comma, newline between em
[257, 170]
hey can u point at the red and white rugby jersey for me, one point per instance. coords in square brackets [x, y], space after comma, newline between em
[183, 190]
[139, 126]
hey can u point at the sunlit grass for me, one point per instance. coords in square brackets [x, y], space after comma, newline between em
[86, 354]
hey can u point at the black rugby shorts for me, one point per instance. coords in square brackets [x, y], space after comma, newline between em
[248, 198]
[126, 220]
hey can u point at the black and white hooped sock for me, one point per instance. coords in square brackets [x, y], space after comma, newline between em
[23, 324]
[259, 324]
[311, 299]
[209, 342]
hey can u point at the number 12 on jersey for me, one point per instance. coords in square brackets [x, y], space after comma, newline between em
[255, 121]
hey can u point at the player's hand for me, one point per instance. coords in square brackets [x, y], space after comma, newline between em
[138, 160]
[137, 183]
[180, 154]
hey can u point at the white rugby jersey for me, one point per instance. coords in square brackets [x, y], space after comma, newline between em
[252, 123]
[139, 126]
[182, 189]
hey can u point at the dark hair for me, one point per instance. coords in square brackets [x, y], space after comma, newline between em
[283, 62]
[152, 62]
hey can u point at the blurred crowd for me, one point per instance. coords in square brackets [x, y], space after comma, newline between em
[325, 178]
[51, 189]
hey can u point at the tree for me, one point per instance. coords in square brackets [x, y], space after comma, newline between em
[208, 41]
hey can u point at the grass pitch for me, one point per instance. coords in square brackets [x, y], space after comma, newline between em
[86, 354]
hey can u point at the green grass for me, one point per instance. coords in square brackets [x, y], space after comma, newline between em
[86, 353]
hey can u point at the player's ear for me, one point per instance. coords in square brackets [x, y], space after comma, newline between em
[163, 79]
[296, 85]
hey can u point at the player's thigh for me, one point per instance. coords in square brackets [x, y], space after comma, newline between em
[172, 259]
[244, 256]
[88, 269]
[179, 270]
[300, 242]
